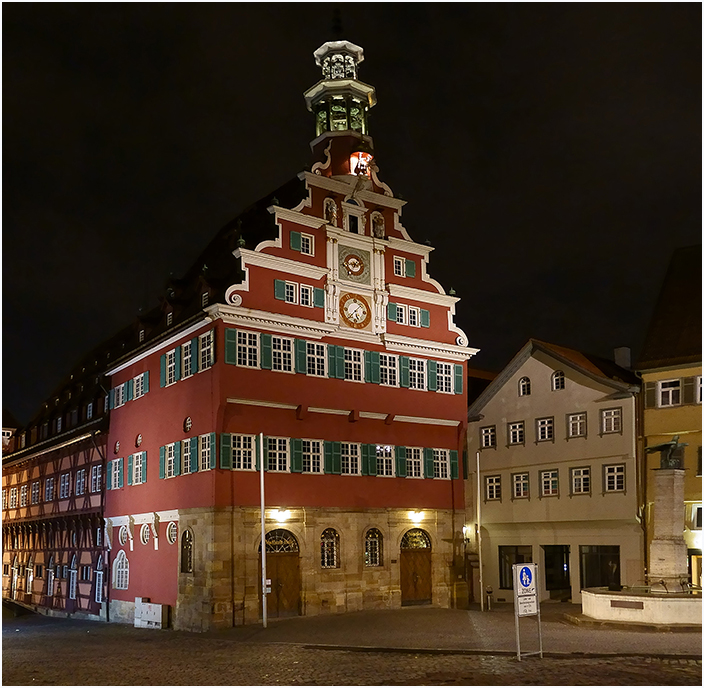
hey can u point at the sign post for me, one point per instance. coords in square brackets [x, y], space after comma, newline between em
[525, 602]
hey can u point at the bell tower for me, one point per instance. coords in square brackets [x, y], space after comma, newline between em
[341, 104]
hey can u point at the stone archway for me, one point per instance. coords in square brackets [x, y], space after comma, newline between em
[416, 568]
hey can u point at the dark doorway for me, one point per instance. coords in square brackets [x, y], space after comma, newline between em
[557, 571]
[600, 566]
[416, 568]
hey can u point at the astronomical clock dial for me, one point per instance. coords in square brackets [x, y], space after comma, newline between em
[354, 265]
[355, 311]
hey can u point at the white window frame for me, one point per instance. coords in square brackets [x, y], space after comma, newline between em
[65, 486]
[354, 365]
[385, 461]
[115, 472]
[278, 455]
[138, 476]
[315, 360]
[14, 497]
[59, 424]
[488, 437]
[441, 464]
[545, 429]
[696, 516]
[49, 488]
[80, 481]
[670, 392]
[186, 359]
[414, 316]
[350, 458]
[445, 378]
[517, 433]
[388, 370]
[96, 478]
[121, 571]
[550, 483]
[307, 244]
[35, 493]
[98, 586]
[492, 488]
[520, 485]
[120, 396]
[72, 583]
[417, 373]
[169, 318]
[24, 492]
[282, 352]
[204, 452]
[244, 448]
[615, 477]
[204, 299]
[577, 424]
[312, 456]
[4, 499]
[89, 411]
[610, 421]
[307, 296]
[248, 354]
[139, 386]
[169, 461]
[524, 387]
[698, 389]
[401, 314]
[170, 367]
[172, 533]
[558, 380]
[414, 462]
[291, 292]
[581, 480]
[399, 266]
[206, 350]
[185, 456]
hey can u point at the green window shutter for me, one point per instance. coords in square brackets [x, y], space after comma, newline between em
[146, 381]
[279, 290]
[295, 241]
[296, 455]
[371, 451]
[130, 468]
[405, 378]
[432, 376]
[429, 463]
[318, 297]
[410, 268]
[162, 462]
[226, 451]
[301, 356]
[265, 453]
[336, 458]
[376, 370]
[257, 450]
[424, 318]
[459, 378]
[367, 366]
[230, 346]
[688, 390]
[332, 360]
[108, 477]
[194, 454]
[265, 340]
[651, 392]
[177, 458]
[328, 457]
[213, 450]
[162, 367]
[340, 356]
[177, 362]
[454, 464]
[401, 462]
[195, 354]
[144, 466]
[111, 402]
[391, 311]
[121, 472]
[130, 390]
[365, 459]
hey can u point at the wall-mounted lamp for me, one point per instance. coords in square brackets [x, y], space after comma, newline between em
[415, 516]
[280, 516]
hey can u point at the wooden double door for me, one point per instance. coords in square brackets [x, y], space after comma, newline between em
[283, 568]
[416, 568]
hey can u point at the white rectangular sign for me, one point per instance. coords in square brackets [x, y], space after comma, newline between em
[528, 605]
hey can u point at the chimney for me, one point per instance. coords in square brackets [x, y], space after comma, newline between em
[622, 356]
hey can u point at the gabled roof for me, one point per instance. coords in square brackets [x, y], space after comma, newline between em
[8, 420]
[675, 332]
[599, 369]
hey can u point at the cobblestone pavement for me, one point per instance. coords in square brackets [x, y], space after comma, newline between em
[41, 651]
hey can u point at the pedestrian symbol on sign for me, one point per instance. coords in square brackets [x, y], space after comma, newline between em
[526, 577]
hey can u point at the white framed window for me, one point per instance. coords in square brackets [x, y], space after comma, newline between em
[615, 478]
[99, 586]
[414, 462]
[306, 294]
[98, 537]
[445, 376]
[521, 485]
[307, 244]
[186, 359]
[59, 424]
[89, 410]
[243, 447]
[670, 393]
[549, 483]
[353, 365]
[4, 499]
[169, 318]
[13, 497]
[330, 549]
[185, 457]
[169, 461]
[401, 314]
[291, 292]
[441, 463]
[388, 370]
[516, 432]
[399, 267]
[120, 396]
[524, 387]
[282, 354]
[121, 571]
[171, 367]
[96, 478]
[312, 456]
[172, 533]
[247, 349]
[580, 480]
[384, 460]
[416, 373]
[48, 490]
[205, 446]
[24, 493]
[206, 346]
[545, 429]
[373, 549]
[144, 534]
[35, 492]
[349, 458]
[610, 421]
[115, 466]
[489, 437]
[492, 488]
[558, 380]
[123, 535]
[315, 359]
[138, 476]
[414, 316]
[72, 583]
[277, 454]
[141, 336]
[577, 424]
[139, 386]
[80, 481]
[698, 389]
[64, 486]
[204, 299]
[696, 517]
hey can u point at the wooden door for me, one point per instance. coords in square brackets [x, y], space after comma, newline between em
[416, 568]
[283, 568]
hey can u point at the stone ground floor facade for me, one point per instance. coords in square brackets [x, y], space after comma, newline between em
[319, 561]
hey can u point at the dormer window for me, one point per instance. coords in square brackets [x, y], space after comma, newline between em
[204, 299]
[141, 336]
[524, 387]
[169, 319]
[558, 380]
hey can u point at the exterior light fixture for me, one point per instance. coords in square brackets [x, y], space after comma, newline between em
[280, 516]
[415, 516]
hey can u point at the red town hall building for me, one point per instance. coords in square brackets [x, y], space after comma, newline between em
[310, 334]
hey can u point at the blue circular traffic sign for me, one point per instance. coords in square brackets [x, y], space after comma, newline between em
[525, 576]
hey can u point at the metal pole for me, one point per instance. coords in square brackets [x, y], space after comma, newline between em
[479, 536]
[261, 493]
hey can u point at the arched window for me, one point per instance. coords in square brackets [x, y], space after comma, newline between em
[373, 548]
[558, 380]
[29, 575]
[121, 571]
[280, 540]
[72, 579]
[524, 387]
[99, 580]
[187, 552]
[330, 549]
[330, 211]
[415, 539]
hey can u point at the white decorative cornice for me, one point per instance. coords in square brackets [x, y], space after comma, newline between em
[344, 187]
[424, 347]
[138, 519]
[413, 294]
[272, 262]
[410, 246]
[295, 216]
[274, 322]
[262, 404]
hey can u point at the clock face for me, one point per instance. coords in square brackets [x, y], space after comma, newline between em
[355, 311]
[354, 264]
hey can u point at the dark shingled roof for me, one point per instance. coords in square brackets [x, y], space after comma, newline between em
[675, 333]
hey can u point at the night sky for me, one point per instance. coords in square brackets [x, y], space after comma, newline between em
[550, 153]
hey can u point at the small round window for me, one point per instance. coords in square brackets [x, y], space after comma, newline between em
[172, 532]
[138, 441]
[187, 424]
[117, 447]
[123, 535]
[144, 534]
